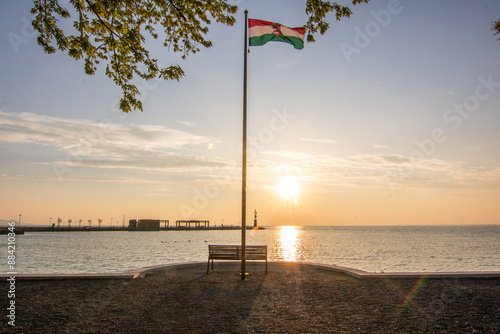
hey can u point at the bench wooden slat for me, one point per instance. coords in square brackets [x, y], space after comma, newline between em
[233, 253]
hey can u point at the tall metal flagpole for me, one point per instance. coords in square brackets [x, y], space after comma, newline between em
[244, 160]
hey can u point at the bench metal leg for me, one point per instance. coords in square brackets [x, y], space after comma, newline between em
[208, 266]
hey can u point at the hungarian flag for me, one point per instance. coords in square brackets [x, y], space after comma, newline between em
[260, 32]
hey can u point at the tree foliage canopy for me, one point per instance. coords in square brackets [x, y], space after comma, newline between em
[496, 28]
[114, 32]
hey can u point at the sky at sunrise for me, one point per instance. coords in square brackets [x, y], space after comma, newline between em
[390, 118]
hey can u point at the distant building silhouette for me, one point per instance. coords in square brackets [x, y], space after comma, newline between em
[144, 225]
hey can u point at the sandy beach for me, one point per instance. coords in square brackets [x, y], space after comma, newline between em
[291, 298]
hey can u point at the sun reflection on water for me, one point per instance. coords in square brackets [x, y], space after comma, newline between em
[290, 245]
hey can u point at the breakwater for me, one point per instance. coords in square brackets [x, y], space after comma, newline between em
[126, 228]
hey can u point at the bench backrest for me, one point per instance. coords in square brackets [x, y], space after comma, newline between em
[251, 251]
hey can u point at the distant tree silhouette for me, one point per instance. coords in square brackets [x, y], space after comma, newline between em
[99, 221]
[69, 223]
[90, 222]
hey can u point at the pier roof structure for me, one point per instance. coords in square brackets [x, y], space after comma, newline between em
[196, 223]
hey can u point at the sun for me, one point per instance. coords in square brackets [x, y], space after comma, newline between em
[288, 189]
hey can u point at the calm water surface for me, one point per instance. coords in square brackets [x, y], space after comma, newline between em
[373, 249]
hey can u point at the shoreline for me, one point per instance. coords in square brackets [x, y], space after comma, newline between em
[361, 274]
[291, 298]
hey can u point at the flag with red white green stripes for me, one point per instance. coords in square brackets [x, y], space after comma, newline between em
[260, 32]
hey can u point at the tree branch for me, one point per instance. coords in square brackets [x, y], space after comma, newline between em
[177, 10]
[102, 21]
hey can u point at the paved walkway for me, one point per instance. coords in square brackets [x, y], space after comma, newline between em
[291, 298]
[139, 272]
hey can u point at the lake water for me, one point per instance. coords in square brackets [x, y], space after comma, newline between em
[373, 249]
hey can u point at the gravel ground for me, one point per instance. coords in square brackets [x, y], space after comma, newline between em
[291, 298]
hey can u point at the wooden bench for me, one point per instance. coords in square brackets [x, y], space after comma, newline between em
[233, 253]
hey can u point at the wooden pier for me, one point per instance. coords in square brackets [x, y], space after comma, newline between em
[187, 223]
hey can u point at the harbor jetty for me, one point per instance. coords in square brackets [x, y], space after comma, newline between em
[143, 225]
